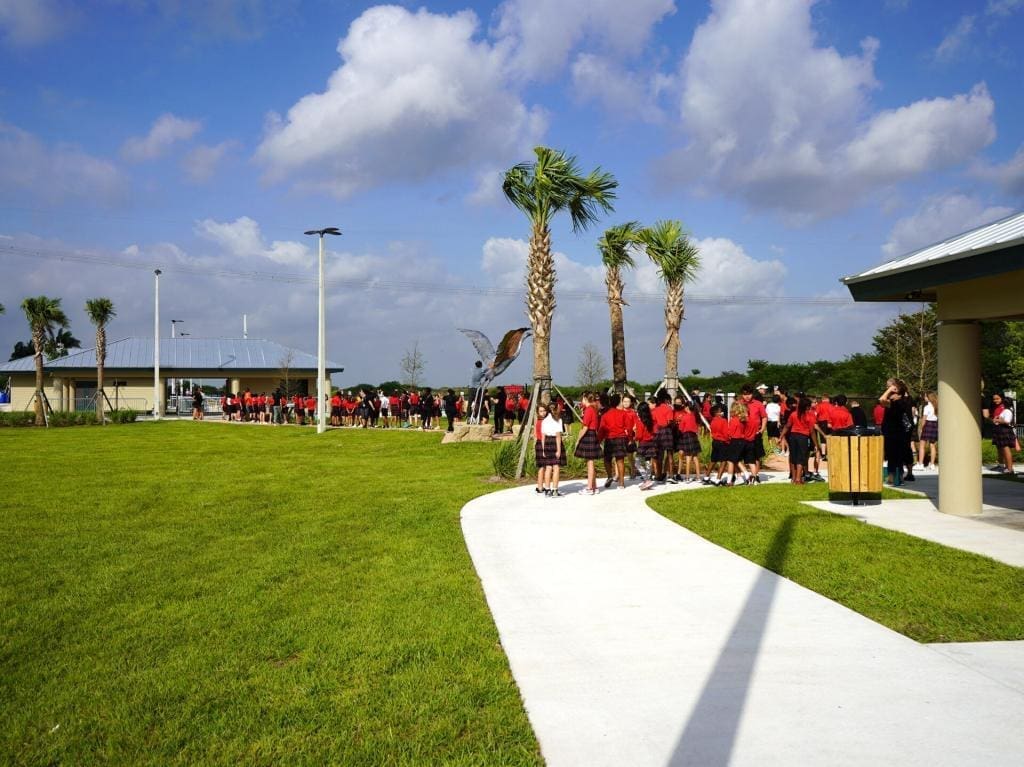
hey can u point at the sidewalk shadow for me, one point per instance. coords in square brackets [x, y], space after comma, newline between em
[710, 733]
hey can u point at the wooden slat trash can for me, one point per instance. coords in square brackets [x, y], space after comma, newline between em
[855, 465]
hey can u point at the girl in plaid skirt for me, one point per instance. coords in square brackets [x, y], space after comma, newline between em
[589, 447]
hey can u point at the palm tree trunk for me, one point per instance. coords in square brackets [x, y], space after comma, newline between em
[37, 343]
[540, 305]
[613, 280]
[101, 355]
[673, 321]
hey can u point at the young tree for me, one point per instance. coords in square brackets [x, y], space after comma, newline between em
[100, 311]
[284, 366]
[44, 317]
[678, 262]
[592, 369]
[616, 248]
[909, 345]
[541, 189]
[412, 366]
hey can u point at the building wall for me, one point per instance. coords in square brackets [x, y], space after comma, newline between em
[137, 392]
[988, 298]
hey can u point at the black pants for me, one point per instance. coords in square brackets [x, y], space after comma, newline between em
[450, 415]
[499, 419]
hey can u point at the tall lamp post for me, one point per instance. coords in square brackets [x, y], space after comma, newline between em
[156, 346]
[321, 350]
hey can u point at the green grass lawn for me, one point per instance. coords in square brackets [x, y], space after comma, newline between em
[928, 592]
[182, 593]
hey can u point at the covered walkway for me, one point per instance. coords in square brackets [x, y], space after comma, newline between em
[974, 276]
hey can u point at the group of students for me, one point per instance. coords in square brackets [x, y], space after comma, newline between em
[661, 440]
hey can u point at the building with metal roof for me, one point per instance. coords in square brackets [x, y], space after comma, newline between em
[977, 275]
[256, 364]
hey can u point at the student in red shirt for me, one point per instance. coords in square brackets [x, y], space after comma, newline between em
[614, 424]
[737, 444]
[801, 431]
[299, 408]
[589, 446]
[646, 451]
[757, 419]
[311, 408]
[336, 409]
[687, 440]
[719, 444]
[877, 414]
[664, 437]
[838, 416]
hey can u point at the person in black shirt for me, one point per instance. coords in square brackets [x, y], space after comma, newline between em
[450, 410]
[499, 410]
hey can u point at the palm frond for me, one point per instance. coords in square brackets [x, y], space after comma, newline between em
[617, 243]
[669, 247]
[100, 311]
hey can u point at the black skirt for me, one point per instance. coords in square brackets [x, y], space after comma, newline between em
[647, 449]
[616, 447]
[665, 440]
[930, 431]
[547, 456]
[688, 443]
[588, 448]
[719, 450]
[1004, 436]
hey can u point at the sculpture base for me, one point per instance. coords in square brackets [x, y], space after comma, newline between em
[469, 433]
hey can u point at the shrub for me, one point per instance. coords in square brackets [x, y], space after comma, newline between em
[17, 419]
[126, 415]
[72, 418]
[506, 458]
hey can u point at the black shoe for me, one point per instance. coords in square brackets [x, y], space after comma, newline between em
[672, 480]
[609, 482]
[556, 494]
[909, 478]
[539, 490]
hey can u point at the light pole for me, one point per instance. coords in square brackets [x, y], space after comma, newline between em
[321, 351]
[156, 346]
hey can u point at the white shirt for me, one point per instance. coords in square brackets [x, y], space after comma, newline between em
[550, 426]
[1006, 417]
[929, 412]
[774, 411]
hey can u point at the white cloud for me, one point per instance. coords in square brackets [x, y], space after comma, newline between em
[166, 131]
[1003, 7]
[784, 123]
[243, 240]
[54, 173]
[25, 23]
[416, 95]
[621, 92]
[956, 40]
[544, 32]
[201, 163]
[940, 217]
[1008, 175]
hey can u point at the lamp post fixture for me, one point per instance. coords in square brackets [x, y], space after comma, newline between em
[321, 351]
[156, 346]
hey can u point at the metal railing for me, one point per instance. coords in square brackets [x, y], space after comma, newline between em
[139, 404]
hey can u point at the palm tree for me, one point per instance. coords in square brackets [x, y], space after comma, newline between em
[44, 317]
[678, 262]
[616, 252]
[100, 311]
[541, 189]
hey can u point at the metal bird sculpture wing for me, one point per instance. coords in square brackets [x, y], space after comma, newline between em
[481, 343]
[509, 348]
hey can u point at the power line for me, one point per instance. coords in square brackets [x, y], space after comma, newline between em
[410, 286]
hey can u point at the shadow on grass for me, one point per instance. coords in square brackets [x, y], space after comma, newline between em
[710, 733]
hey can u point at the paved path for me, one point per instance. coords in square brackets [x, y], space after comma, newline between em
[635, 642]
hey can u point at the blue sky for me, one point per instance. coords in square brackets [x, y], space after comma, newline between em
[798, 141]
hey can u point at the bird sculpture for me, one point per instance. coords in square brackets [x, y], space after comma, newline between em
[492, 363]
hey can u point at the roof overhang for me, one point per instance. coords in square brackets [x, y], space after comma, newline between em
[918, 282]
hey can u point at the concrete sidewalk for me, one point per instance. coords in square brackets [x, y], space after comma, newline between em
[635, 642]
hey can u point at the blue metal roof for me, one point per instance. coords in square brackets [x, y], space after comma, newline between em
[193, 354]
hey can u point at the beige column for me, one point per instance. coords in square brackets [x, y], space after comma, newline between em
[162, 404]
[959, 424]
[58, 389]
[72, 393]
[236, 385]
